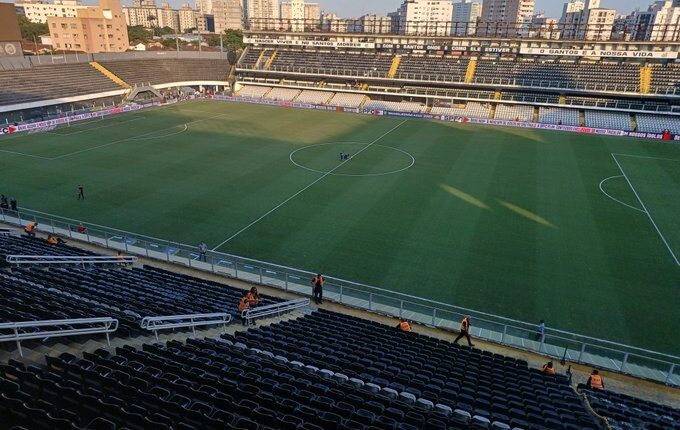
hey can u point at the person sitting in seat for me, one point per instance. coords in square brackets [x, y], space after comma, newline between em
[30, 229]
[404, 325]
[254, 297]
[53, 240]
[243, 306]
[548, 368]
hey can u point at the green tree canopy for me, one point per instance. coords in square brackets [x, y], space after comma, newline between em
[233, 40]
[138, 34]
[31, 29]
[166, 30]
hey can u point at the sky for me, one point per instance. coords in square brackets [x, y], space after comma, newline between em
[356, 8]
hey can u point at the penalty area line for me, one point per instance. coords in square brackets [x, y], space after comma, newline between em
[649, 215]
[316, 181]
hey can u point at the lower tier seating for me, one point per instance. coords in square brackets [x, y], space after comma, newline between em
[470, 110]
[412, 107]
[658, 123]
[628, 413]
[558, 116]
[481, 383]
[608, 120]
[522, 113]
[253, 91]
[204, 384]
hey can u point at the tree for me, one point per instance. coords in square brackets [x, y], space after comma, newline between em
[29, 29]
[233, 40]
[166, 30]
[138, 34]
[190, 30]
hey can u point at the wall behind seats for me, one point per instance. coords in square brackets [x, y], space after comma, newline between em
[10, 35]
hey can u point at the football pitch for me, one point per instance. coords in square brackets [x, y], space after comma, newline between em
[580, 230]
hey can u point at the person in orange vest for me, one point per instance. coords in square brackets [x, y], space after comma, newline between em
[548, 368]
[317, 288]
[254, 297]
[595, 381]
[404, 326]
[243, 306]
[465, 330]
[30, 229]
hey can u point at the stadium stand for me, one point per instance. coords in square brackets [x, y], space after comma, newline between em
[253, 91]
[282, 94]
[165, 71]
[558, 116]
[608, 120]
[470, 110]
[628, 413]
[314, 97]
[665, 77]
[433, 68]
[524, 113]
[614, 76]
[52, 82]
[126, 294]
[347, 100]
[403, 106]
[275, 378]
[657, 123]
[322, 62]
[423, 371]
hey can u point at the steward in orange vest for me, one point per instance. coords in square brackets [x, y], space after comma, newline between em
[243, 306]
[29, 229]
[465, 330]
[52, 240]
[595, 381]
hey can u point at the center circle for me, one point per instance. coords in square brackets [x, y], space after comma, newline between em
[325, 158]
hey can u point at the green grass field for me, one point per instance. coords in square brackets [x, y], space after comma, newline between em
[502, 220]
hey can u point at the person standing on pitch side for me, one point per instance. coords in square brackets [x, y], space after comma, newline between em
[465, 331]
[81, 193]
[317, 288]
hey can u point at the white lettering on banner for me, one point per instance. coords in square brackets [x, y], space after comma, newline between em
[598, 53]
[45, 125]
[319, 43]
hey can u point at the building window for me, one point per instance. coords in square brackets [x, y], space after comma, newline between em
[74, 26]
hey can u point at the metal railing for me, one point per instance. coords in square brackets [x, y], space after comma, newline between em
[27, 330]
[555, 343]
[69, 260]
[183, 321]
[275, 309]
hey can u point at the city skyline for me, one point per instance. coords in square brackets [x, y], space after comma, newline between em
[357, 8]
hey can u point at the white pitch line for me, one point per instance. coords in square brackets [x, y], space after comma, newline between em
[128, 139]
[647, 157]
[649, 215]
[613, 198]
[136, 139]
[96, 128]
[24, 155]
[317, 180]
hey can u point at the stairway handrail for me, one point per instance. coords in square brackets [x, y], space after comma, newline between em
[180, 321]
[70, 259]
[108, 325]
[276, 308]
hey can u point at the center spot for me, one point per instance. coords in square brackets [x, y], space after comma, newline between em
[378, 160]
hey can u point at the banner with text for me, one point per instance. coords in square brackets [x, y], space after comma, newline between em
[598, 53]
